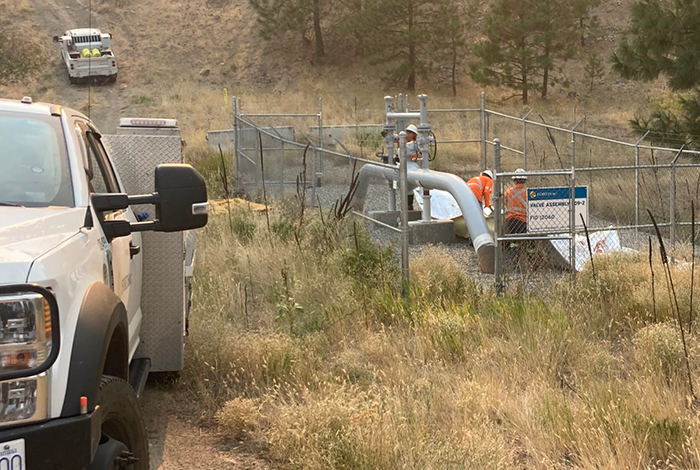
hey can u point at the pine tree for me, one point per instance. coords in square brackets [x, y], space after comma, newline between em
[353, 26]
[402, 35]
[594, 69]
[664, 39]
[508, 55]
[526, 42]
[450, 43]
[556, 39]
[280, 16]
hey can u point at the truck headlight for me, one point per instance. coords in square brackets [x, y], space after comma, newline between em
[25, 331]
[29, 338]
[24, 400]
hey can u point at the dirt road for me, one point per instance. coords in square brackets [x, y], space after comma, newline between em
[176, 443]
[107, 102]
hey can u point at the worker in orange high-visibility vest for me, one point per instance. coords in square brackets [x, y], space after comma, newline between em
[482, 187]
[516, 204]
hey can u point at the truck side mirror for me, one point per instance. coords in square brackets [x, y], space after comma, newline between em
[183, 198]
[55, 39]
[180, 199]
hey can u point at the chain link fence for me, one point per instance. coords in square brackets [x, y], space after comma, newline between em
[622, 182]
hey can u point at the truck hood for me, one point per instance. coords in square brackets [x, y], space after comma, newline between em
[27, 233]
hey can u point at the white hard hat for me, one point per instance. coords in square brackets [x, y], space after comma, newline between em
[519, 177]
[488, 173]
[412, 128]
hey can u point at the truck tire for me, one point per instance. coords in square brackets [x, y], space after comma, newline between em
[113, 78]
[124, 442]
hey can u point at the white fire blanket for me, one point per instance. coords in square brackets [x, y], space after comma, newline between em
[603, 242]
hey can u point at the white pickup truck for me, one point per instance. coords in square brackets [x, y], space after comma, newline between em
[87, 54]
[93, 294]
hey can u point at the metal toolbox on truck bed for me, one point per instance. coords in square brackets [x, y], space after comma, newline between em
[167, 257]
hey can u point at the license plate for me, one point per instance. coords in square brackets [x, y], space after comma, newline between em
[12, 455]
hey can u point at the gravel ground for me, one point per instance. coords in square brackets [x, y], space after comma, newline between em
[377, 200]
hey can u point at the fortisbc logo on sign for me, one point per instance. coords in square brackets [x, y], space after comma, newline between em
[548, 208]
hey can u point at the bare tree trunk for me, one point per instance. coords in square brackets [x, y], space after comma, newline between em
[545, 81]
[583, 33]
[320, 50]
[525, 86]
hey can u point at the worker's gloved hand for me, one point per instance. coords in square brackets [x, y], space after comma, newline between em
[488, 212]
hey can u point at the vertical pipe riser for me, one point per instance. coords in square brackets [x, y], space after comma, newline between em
[424, 129]
[389, 127]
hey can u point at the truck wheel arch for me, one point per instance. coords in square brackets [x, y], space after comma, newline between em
[100, 346]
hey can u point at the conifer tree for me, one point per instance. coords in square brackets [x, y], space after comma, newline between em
[450, 43]
[664, 39]
[526, 42]
[401, 35]
[301, 16]
[508, 55]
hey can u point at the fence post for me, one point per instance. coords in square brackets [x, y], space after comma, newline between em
[403, 187]
[424, 129]
[672, 193]
[525, 139]
[314, 158]
[498, 261]
[572, 210]
[483, 131]
[320, 140]
[636, 181]
[236, 180]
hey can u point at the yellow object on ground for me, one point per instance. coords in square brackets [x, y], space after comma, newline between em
[96, 53]
[85, 53]
[220, 206]
[461, 229]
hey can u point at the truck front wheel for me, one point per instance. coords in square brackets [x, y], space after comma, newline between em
[124, 443]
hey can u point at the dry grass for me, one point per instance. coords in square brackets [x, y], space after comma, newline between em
[309, 357]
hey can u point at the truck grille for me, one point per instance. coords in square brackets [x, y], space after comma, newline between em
[86, 39]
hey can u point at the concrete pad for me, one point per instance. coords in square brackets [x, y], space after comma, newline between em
[393, 218]
[436, 231]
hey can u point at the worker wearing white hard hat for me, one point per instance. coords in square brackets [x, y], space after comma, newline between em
[516, 204]
[482, 187]
[411, 143]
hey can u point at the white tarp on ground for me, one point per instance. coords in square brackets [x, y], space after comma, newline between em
[442, 205]
[603, 242]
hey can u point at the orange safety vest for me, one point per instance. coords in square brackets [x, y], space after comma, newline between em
[516, 205]
[482, 187]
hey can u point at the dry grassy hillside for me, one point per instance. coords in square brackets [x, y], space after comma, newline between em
[163, 45]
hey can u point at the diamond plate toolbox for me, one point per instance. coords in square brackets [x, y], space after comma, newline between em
[163, 291]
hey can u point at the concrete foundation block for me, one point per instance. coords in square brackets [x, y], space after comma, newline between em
[393, 218]
[436, 231]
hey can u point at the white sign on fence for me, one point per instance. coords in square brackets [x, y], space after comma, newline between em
[548, 208]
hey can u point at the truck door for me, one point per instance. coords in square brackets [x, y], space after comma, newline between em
[123, 251]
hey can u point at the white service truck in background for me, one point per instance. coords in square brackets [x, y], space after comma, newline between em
[87, 54]
[93, 289]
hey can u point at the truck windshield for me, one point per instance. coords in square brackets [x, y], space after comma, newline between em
[34, 168]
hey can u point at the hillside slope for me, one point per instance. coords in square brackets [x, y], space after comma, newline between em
[163, 45]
